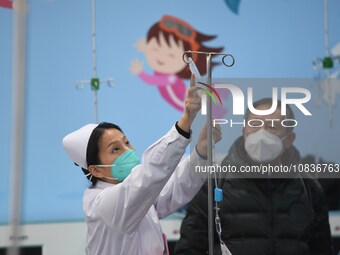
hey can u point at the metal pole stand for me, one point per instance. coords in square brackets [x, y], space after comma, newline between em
[209, 55]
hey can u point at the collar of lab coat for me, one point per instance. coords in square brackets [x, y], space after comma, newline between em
[103, 185]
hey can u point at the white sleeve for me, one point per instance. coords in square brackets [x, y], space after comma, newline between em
[124, 205]
[182, 185]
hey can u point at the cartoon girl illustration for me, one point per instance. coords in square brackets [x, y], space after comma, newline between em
[6, 4]
[164, 46]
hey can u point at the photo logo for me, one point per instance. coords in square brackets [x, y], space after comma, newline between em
[211, 92]
[298, 97]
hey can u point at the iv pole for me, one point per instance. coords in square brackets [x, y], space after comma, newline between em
[209, 56]
[328, 88]
[210, 162]
[95, 81]
[328, 59]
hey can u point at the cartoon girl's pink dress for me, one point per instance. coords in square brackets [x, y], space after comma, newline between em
[173, 90]
[170, 86]
[6, 4]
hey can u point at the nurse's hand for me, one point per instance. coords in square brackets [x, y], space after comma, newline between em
[192, 106]
[202, 144]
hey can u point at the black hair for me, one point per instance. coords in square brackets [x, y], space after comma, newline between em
[92, 151]
[269, 101]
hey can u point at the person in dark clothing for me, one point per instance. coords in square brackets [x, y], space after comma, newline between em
[262, 216]
[330, 186]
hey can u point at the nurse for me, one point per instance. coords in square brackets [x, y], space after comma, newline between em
[128, 196]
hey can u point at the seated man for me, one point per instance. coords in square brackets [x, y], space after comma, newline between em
[262, 216]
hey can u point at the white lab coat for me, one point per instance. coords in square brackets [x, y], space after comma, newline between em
[123, 219]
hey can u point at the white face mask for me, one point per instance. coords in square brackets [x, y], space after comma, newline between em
[263, 146]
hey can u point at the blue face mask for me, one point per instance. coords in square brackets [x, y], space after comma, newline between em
[122, 166]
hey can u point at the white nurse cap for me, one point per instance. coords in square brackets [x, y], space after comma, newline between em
[76, 142]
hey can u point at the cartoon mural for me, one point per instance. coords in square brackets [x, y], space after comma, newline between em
[164, 46]
[6, 4]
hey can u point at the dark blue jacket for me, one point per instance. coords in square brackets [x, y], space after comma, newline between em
[261, 216]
